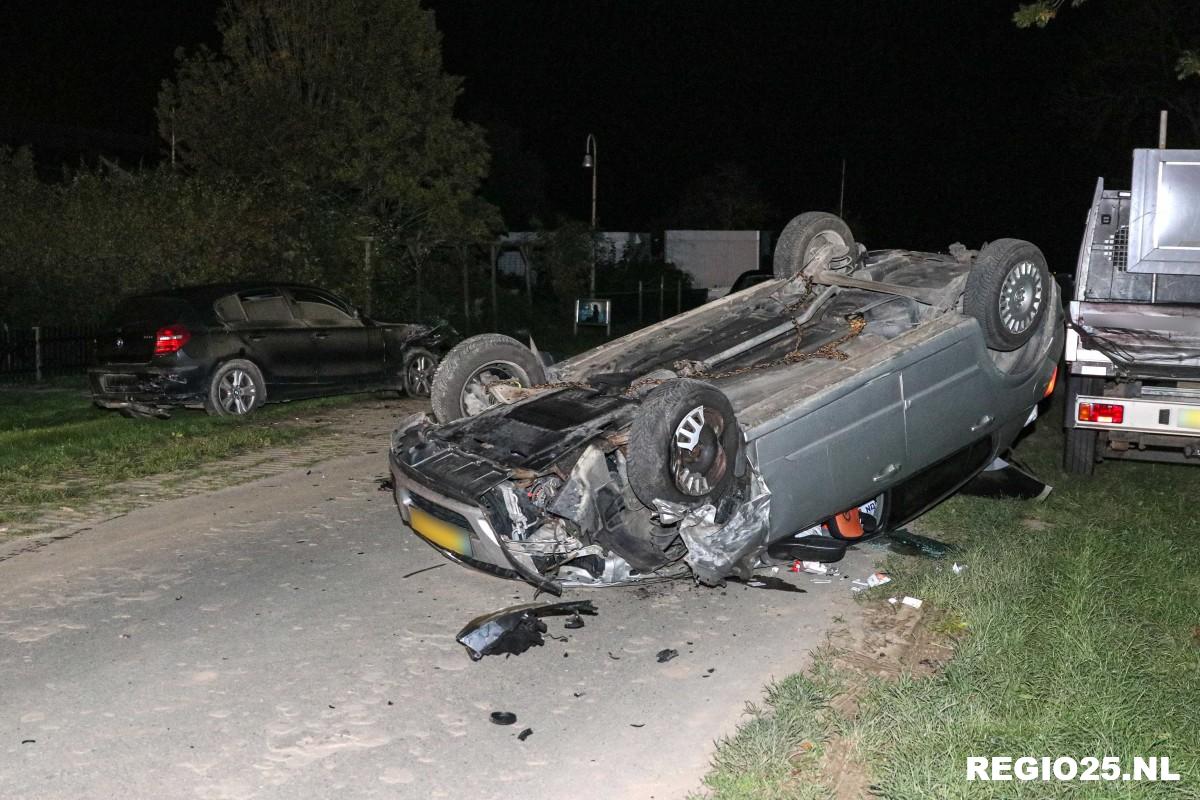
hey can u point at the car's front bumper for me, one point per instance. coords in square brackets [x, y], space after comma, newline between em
[139, 386]
[462, 532]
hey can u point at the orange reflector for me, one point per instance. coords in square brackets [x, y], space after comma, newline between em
[1110, 413]
[1053, 382]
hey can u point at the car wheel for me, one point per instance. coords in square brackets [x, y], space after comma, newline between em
[1007, 292]
[460, 384]
[806, 237]
[236, 389]
[1079, 454]
[419, 368]
[682, 444]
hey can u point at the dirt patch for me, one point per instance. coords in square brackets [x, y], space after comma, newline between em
[893, 640]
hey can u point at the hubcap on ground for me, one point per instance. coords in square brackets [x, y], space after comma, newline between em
[236, 392]
[1020, 297]
[698, 459]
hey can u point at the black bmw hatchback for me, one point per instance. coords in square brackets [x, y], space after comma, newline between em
[231, 348]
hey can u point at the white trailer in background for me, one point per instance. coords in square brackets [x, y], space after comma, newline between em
[715, 259]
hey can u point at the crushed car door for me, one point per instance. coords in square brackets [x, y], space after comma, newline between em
[348, 351]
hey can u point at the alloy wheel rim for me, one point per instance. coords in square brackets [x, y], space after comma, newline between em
[1020, 297]
[420, 375]
[236, 392]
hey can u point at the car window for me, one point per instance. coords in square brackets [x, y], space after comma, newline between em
[265, 306]
[322, 309]
[229, 309]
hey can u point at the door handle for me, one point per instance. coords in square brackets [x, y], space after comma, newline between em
[888, 471]
[984, 421]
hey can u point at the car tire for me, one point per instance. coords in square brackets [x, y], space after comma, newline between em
[1079, 452]
[1007, 292]
[801, 238]
[235, 390]
[420, 365]
[661, 466]
[457, 389]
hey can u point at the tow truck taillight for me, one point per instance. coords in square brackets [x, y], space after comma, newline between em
[170, 339]
[1111, 413]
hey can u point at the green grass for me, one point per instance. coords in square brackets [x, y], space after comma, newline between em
[1077, 622]
[56, 448]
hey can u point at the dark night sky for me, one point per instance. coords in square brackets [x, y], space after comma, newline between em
[942, 110]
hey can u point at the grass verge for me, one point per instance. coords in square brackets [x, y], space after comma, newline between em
[1075, 631]
[56, 448]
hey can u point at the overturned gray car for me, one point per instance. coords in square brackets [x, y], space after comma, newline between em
[838, 401]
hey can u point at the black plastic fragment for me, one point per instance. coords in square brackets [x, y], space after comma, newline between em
[637, 724]
[920, 545]
[525, 734]
[515, 629]
[1011, 481]
[503, 717]
[386, 485]
[573, 622]
[666, 655]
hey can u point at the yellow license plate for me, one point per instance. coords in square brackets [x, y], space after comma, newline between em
[440, 532]
[1189, 418]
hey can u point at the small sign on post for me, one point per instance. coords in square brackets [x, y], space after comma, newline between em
[593, 312]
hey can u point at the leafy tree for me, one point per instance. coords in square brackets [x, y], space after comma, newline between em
[725, 199]
[340, 108]
[1132, 59]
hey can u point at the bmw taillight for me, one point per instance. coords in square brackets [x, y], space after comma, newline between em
[170, 339]
[1108, 413]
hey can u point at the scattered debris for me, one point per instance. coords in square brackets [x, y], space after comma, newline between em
[503, 717]
[1004, 479]
[637, 724]
[666, 655]
[920, 545]
[29, 741]
[873, 580]
[385, 484]
[813, 568]
[769, 582]
[573, 622]
[525, 734]
[515, 629]
[958, 569]
[614, 658]
[912, 602]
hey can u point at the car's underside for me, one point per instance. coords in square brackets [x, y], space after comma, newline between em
[655, 454]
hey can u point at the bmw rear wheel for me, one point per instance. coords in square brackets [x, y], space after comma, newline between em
[236, 389]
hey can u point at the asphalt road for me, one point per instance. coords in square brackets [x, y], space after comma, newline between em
[263, 642]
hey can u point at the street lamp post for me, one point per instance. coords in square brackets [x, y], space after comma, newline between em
[591, 160]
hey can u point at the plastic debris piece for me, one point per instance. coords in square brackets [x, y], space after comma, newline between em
[503, 717]
[957, 568]
[514, 630]
[814, 567]
[637, 724]
[913, 602]
[921, 545]
[666, 655]
[573, 622]
[525, 734]
[893, 600]
[614, 658]
[877, 579]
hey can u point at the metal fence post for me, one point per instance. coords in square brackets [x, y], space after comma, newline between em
[639, 304]
[37, 352]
